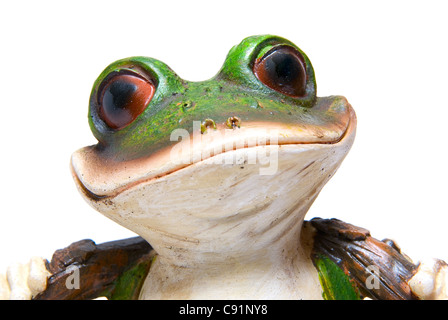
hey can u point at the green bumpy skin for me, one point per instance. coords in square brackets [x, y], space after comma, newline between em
[234, 91]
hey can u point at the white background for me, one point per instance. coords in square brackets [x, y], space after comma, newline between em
[389, 58]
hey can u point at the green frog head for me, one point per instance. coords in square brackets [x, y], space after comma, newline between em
[218, 170]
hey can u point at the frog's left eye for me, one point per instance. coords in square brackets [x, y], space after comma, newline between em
[283, 69]
[122, 97]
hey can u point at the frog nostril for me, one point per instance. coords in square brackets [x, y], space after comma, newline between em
[206, 124]
[186, 105]
[233, 122]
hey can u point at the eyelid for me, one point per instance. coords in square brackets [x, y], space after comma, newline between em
[264, 53]
[129, 70]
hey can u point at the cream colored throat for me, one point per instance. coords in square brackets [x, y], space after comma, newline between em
[223, 228]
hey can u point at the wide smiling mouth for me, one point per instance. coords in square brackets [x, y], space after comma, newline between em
[100, 178]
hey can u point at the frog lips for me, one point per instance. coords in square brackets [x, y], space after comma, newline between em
[99, 178]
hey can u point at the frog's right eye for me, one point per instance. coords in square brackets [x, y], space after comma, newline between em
[122, 97]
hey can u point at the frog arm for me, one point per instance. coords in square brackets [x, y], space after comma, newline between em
[378, 269]
[85, 270]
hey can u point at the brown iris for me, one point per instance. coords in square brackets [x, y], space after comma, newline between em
[283, 69]
[122, 98]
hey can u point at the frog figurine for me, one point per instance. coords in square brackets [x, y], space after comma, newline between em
[217, 177]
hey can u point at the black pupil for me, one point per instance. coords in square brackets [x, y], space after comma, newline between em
[117, 96]
[283, 67]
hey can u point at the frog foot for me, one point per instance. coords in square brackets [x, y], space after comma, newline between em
[24, 281]
[430, 282]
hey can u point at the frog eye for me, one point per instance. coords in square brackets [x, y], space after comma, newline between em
[122, 97]
[283, 69]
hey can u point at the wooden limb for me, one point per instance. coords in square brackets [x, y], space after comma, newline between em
[84, 270]
[378, 268]
[117, 269]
